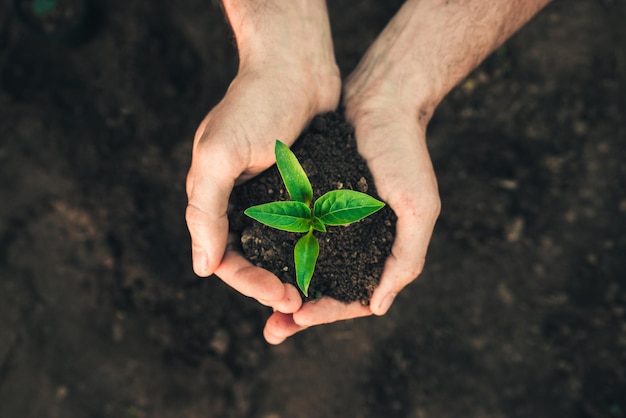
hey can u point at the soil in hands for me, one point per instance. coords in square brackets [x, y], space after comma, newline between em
[351, 257]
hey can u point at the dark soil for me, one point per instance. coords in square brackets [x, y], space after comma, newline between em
[351, 257]
[520, 311]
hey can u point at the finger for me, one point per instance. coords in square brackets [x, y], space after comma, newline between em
[290, 302]
[256, 282]
[208, 238]
[324, 311]
[404, 264]
[253, 281]
[209, 183]
[279, 326]
[327, 310]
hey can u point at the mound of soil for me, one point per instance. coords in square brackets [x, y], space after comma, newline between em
[351, 257]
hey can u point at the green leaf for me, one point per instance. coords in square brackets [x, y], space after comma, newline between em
[341, 207]
[287, 215]
[305, 256]
[294, 177]
[318, 225]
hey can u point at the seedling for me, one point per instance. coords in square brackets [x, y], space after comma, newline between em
[337, 207]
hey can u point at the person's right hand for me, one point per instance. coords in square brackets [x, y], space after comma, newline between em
[287, 75]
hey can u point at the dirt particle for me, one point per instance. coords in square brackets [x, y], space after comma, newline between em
[514, 230]
[362, 185]
[220, 342]
[61, 392]
[117, 332]
[505, 295]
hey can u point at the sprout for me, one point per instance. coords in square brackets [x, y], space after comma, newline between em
[337, 207]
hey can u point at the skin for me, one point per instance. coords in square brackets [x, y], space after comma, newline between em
[287, 75]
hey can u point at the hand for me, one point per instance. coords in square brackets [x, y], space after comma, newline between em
[287, 75]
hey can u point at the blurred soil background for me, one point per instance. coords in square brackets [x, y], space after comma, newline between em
[521, 311]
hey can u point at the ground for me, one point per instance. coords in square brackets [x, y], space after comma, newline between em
[520, 311]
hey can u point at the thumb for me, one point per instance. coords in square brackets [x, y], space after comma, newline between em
[209, 184]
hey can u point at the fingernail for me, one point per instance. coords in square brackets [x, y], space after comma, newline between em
[386, 303]
[200, 261]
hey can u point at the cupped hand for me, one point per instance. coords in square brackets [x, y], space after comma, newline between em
[392, 140]
[281, 84]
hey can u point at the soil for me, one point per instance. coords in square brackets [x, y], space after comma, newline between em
[351, 257]
[520, 311]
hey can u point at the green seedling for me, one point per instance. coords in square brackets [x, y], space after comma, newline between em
[337, 207]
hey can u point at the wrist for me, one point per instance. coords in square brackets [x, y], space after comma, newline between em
[429, 47]
[397, 74]
[290, 42]
[282, 32]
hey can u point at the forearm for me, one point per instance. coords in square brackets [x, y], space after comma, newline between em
[431, 45]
